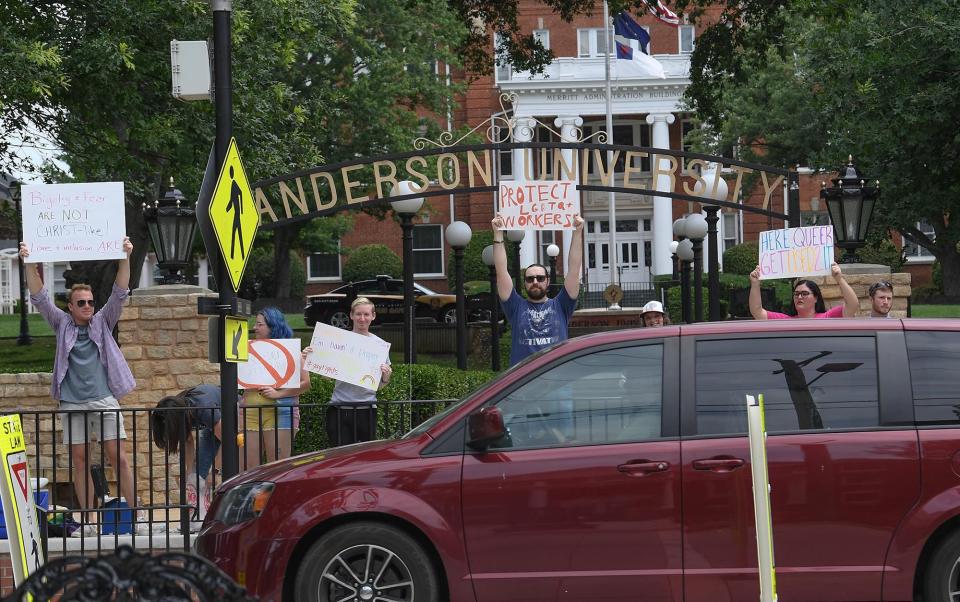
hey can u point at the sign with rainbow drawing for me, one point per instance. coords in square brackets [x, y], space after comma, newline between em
[347, 356]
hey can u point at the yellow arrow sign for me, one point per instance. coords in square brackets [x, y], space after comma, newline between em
[234, 215]
[235, 340]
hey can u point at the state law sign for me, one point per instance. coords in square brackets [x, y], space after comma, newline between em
[539, 205]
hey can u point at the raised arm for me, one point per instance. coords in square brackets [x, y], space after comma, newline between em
[504, 282]
[851, 303]
[756, 306]
[571, 280]
[123, 265]
[32, 271]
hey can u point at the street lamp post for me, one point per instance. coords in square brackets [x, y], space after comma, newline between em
[696, 229]
[24, 338]
[685, 254]
[487, 257]
[406, 209]
[850, 203]
[172, 226]
[458, 235]
[673, 260]
[552, 252]
[716, 188]
[516, 236]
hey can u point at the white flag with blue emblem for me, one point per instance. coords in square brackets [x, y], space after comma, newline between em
[626, 30]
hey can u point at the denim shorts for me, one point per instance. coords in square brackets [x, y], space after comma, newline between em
[207, 447]
[285, 412]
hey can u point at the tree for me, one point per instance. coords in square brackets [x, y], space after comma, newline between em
[878, 84]
[312, 82]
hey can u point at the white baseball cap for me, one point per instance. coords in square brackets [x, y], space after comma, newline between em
[652, 306]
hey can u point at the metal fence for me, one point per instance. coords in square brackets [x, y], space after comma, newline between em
[165, 510]
[635, 294]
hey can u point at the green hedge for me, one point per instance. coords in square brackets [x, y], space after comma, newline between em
[429, 382]
[741, 259]
[729, 283]
[473, 266]
[369, 261]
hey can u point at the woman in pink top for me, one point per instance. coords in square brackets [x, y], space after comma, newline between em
[807, 300]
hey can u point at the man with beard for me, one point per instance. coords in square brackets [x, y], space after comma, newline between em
[881, 299]
[538, 321]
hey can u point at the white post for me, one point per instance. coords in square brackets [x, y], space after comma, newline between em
[523, 130]
[757, 431]
[568, 125]
[662, 206]
[611, 197]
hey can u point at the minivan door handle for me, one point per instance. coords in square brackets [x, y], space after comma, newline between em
[641, 468]
[719, 464]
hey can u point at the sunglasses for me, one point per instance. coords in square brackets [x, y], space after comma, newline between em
[84, 302]
[883, 284]
[530, 279]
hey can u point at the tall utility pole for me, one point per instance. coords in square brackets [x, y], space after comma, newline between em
[223, 103]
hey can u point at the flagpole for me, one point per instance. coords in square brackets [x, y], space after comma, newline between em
[611, 202]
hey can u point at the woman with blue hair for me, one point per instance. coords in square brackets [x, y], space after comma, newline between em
[272, 416]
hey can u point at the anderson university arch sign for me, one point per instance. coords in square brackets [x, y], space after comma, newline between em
[446, 166]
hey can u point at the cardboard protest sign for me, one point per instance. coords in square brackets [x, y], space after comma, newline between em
[539, 205]
[793, 252]
[271, 363]
[347, 356]
[73, 222]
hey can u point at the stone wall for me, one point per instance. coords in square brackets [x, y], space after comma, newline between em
[860, 282]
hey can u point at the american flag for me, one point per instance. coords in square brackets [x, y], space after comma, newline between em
[663, 12]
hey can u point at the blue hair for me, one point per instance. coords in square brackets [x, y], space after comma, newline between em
[276, 323]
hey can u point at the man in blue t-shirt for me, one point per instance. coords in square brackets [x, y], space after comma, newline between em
[538, 321]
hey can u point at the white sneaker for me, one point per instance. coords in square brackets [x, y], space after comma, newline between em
[86, 531]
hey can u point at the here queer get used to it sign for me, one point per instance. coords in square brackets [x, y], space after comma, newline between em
[74, 222]
[792, 252]
[539, 205]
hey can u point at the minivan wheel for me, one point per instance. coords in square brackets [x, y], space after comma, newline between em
[942, 579]
[340, 319]
[365, 562]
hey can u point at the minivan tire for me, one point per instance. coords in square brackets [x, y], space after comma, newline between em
[943, 571]
[395, 556]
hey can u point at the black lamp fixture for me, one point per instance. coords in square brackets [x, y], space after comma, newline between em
[172, 226]
[850, 203]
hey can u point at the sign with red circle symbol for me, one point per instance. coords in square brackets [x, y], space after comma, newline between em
[272, 363]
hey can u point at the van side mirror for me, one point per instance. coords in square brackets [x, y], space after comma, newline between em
[484, 427]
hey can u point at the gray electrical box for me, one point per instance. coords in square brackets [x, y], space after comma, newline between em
[190, 70]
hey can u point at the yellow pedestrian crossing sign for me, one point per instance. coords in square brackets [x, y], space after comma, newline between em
[234, 215]
[235, 340]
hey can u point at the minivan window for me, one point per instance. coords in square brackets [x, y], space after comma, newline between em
[609, 396]
[935, 374]
[808, 383]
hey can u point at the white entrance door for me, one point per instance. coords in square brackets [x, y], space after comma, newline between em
[634, 242]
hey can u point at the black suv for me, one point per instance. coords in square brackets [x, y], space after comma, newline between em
[387, 295]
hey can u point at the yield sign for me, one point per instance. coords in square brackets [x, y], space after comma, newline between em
[20, 470]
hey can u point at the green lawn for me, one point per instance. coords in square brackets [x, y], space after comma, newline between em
[35, 357]
[10, 325]
[935, 311]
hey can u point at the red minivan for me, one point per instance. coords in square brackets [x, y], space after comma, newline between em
[615, 467]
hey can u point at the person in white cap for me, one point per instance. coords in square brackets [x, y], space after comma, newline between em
[652, 315]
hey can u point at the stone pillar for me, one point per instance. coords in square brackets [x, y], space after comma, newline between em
[662, 206]
[164, 341]
[569, 132]
[860, 276]
[523, 130]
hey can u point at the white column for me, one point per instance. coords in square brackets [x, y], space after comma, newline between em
[569, 132]
[203, 271]
[523, 128]
[662, 206]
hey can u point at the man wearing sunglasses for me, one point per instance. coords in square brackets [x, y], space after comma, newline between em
[90, 373]
[538, 321]
[881, 299]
